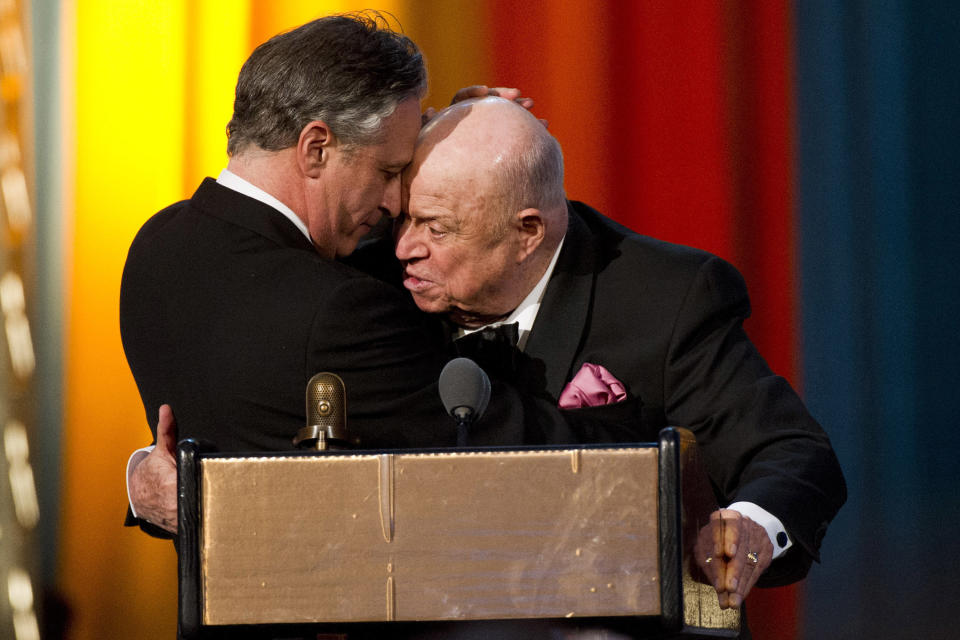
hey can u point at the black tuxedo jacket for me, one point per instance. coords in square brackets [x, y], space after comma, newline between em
[666, 320]
[226, 311]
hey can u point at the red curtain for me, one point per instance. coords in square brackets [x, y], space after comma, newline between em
[676, 120]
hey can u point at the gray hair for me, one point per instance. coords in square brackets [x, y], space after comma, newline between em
[532, 178]
[350, 71]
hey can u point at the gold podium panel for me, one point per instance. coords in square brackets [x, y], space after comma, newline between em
[429, 536]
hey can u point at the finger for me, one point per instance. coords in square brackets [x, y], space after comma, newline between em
[714, 542]
[716, 528]
[735, 567]
[427, 116]
[507, 93]
[723, 598]
[758, 556]
[473, 91]
[707, 560]
[754, 555]
[510, 93]
[739, 579]
[734, 536]
[732, 531]
[526, 103]
[166, 430]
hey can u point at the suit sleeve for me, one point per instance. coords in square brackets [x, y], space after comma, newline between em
[757, 439]
[389, 362]
[142, 339]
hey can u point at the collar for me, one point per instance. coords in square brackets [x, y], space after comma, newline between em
[234, 182]
[526, 312]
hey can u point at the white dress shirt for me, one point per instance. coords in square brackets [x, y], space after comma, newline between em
[231, 180]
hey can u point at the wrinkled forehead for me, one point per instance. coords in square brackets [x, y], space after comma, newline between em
[453, 194]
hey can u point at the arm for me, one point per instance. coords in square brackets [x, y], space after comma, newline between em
[758, 441]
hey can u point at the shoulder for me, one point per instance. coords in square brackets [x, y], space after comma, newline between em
[158, 224]
[644, 261]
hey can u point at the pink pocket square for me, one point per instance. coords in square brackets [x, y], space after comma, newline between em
[593, 386]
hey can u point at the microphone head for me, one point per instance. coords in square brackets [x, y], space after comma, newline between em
[464, 389]
[326, 412]
[326, 400]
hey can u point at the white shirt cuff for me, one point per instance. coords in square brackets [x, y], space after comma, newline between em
[775, 530]
[135, 458]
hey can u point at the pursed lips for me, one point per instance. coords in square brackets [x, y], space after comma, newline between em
[415, 284]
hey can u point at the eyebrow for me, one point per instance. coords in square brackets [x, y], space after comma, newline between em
[450, 221]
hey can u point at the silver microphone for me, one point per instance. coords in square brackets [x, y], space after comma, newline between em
[326, 414]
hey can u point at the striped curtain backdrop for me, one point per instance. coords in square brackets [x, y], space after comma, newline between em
[813, 145]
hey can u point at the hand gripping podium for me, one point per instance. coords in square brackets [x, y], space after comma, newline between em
[334, 541]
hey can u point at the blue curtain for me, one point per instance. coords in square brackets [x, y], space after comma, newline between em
[878, 86]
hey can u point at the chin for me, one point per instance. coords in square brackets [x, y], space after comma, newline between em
[430, 305]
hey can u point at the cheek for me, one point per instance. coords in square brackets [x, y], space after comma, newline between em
[374, 194]
[361, 197]
[469, 278]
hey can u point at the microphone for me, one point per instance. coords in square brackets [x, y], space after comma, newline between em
[465, 393]
[326, 414]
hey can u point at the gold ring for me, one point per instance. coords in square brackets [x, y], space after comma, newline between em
[708, 560]
[753, 558]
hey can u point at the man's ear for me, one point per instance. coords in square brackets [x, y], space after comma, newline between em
[313, 147]
[532, 230]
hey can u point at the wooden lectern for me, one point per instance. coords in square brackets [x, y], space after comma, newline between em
[333, 540]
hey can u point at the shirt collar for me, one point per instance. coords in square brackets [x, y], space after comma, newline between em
[232, 181]
[526, 312]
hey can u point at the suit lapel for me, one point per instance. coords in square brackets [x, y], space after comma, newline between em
[561, 321]
[235, 208]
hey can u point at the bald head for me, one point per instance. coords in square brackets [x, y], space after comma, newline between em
[485, 210]
[499, 145]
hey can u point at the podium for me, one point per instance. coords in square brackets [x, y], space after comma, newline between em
[333, 541]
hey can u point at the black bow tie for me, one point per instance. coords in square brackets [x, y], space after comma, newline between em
[501, 333]
[490, 346]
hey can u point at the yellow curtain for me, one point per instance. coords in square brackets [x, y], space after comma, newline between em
[153, 90]
[128, 158]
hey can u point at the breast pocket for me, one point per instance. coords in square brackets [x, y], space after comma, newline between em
[612, 423]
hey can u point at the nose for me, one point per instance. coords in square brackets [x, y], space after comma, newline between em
[391, 198]
[408, 246]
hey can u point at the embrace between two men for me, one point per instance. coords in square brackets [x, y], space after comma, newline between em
[231, 300]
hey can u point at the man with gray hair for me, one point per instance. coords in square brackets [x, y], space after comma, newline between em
[231, 300]
[638, 333]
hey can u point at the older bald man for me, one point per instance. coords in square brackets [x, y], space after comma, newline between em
[488, 238]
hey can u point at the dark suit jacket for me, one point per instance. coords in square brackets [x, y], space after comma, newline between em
[666, 320]
[226, 311]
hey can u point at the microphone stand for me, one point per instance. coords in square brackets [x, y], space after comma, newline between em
[464, 417]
